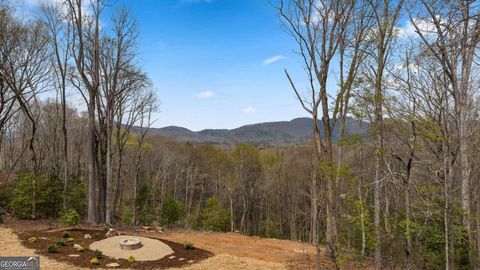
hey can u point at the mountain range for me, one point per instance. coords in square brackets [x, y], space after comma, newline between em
[269, 133]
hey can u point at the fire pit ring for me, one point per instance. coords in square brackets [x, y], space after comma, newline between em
[130, 243]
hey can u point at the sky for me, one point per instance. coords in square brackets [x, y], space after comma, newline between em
[215, 64]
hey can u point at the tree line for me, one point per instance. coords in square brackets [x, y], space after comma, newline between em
[406, 194]
[410, 69]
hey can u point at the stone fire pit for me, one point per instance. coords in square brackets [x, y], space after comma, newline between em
[130, 243]
[141, 248]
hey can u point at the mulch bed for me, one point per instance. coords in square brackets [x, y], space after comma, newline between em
[48, 238]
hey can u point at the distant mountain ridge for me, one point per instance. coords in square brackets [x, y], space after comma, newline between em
[269, 133]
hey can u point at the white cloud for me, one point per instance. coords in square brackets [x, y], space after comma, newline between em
[205, 94]
[38, 2]
[426, 27]
[86, 6]
[272, 60]
[249, 110]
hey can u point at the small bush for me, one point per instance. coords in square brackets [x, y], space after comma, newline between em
[28, 196]
[66, 235]
[188, 245]
[52, 193]
[127, 215]
[36, 196]
[94, 261]
[214, 217]
[76, 196]
[6, 196]
[60, 243]
[98, 254]
[70, 239]
[70, 218]
[271, 227]
[192, 222]
[105, 228]
[32, 239]
[171, 212]
[52, 249]
[131, 259]
[144, 205]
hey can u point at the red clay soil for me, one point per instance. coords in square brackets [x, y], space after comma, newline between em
[46, 238]
[295, 255]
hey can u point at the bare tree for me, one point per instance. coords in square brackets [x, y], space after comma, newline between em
[25, 70]
[118, 76]
[86, 53]
[147, 107]
[386, 15]
[451, 33]
[323, 29]
[60, 42]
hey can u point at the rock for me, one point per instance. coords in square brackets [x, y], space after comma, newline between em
[87, 236]
[32, 239]
[159, 229]
[181, 259]
[78, 248]
[191, 261]
[171, 257]
[113, 265]
[74, 255]
[146, 228]
[112, 232]
[94, 261]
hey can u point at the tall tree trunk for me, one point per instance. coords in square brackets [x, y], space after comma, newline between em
[102, 177]
[119, 190]
[92, 161]
[232, 213]
[109, 180]
[378, 168]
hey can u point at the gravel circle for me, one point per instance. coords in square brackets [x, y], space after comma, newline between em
[151, 250]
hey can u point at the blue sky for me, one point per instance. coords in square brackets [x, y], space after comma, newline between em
[208, 61]
[215, 63]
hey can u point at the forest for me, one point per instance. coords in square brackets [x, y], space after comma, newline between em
[406, 194]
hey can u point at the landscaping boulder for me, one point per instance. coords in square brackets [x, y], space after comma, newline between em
[78, 247]
[113, 265]
[112, 232]
[87, 236]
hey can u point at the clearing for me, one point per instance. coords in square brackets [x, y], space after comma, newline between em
[230, 250]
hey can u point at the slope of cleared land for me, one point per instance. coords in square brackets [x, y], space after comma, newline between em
[232, 250]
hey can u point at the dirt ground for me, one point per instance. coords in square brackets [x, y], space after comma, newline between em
[264, 249]
[232, 251]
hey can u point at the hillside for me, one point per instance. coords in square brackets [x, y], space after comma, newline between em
[268, 133]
